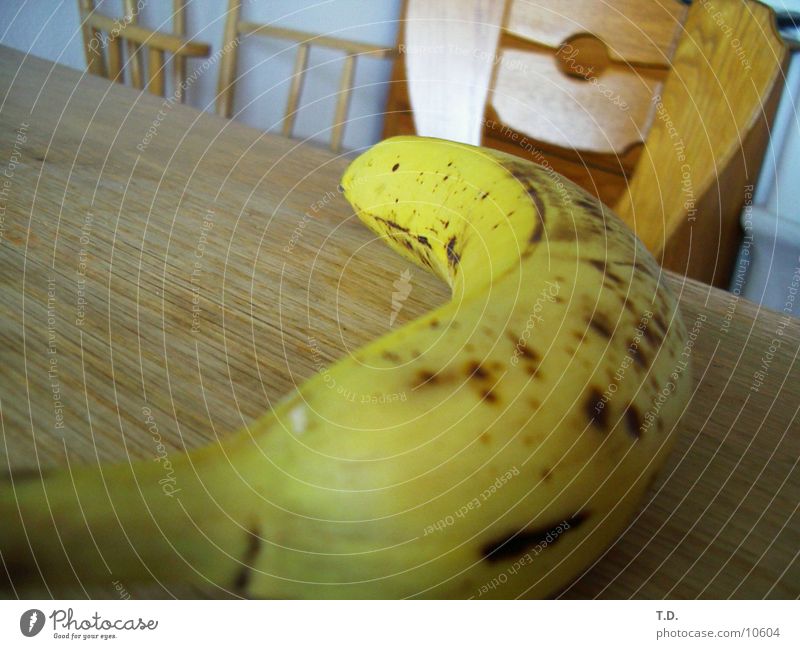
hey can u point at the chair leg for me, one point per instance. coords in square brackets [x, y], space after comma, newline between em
[178, 62]
[134, 50]
[92, 42]
[115, 57]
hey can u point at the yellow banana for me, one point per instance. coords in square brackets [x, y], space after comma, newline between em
[537, 405]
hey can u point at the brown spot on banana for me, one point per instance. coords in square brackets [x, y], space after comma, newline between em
[391, 224]
[633, 421]
[452, 256]
[596, 410]
[600, 328]
[514, 545]
[425, 378]
[475, 371]
[242, 579]
[637, 354]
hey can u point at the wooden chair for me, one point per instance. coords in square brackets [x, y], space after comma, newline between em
[660, 110]
[113, 45]
[687, 193]
[236, 28]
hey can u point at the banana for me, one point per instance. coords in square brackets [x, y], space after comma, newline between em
[538, 404]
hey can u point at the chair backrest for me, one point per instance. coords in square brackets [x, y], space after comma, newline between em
[704, 151]
[113, 45]
[573, 82]
[573, 76]
[235, 28]
[700, 87]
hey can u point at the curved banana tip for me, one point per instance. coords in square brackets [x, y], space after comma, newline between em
[367, 157]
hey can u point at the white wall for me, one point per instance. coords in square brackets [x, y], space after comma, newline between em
[49, 29]
[44, 28]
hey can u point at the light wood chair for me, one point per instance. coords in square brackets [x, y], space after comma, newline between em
[113, 45]
[236, 28]
[687, 192]
[573, 80]
[578, 88]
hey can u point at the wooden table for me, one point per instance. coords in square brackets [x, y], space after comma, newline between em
[156, 257]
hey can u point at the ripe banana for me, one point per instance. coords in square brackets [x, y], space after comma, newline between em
[541, 401]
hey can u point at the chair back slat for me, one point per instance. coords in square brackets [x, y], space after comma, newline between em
[236, 28]
[155, 71]
[179, 63]
[91, 41]
[343, 102]
[227, 63]
[134, 64]
[134, 50]
[300, 64]
[115, 59]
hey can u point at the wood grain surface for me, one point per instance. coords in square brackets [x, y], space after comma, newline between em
[190, 265]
